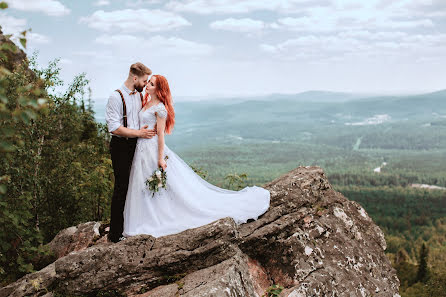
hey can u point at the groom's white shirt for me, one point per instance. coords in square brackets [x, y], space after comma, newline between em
[114, 110]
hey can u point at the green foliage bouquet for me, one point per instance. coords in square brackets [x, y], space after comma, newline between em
[157, 180]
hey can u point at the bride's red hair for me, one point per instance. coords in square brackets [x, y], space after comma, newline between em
[162, 91]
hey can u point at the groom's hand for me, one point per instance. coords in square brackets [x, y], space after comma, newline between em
[144, 133]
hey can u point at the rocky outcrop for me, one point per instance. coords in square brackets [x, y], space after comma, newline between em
[312, 241]
[75, 238]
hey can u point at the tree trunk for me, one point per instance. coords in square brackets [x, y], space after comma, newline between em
[36, 184]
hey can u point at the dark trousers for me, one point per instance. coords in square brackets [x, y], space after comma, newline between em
[122, 151]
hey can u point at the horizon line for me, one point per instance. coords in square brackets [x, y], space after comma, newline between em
[365, 93]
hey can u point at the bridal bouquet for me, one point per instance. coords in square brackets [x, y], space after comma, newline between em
[157, 180]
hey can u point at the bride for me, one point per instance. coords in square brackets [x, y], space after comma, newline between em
[188, 201]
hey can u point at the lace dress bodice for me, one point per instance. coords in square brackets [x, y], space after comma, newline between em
[148, 116]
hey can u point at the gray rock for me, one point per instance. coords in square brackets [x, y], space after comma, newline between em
[232, 277]
[312, 241]
[75, 238]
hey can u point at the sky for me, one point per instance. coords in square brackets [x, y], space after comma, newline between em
[218, 48]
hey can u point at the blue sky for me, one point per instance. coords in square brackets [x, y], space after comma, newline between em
[242, 47]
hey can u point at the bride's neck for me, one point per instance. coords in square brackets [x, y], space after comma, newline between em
[154, 98]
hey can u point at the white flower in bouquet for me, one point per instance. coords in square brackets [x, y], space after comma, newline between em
[157, 181]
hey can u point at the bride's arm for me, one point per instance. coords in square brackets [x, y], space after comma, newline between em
[161, 124]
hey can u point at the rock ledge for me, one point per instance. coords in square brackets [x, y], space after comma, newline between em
[312, 241]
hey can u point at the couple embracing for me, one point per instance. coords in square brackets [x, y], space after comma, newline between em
[138, 123]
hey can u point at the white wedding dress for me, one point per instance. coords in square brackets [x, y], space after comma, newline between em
[188, 200]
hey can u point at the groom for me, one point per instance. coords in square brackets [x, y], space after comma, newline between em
[121, 115]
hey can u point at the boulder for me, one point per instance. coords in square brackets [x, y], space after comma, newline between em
[75, 238]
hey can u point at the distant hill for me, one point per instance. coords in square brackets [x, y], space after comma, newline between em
[399, 130]
[310, 96]
[402, 105]
[305, 106]
[319, 96]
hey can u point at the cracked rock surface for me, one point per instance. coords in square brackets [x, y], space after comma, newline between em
[312, 241]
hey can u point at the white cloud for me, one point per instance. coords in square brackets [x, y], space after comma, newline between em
[37, 38]
[129, 20]
[66, 61]
[102, 3]
[137, 3]
[365, 34]
[406, 24]
[364, 45]
[49, 7]
[176, 46]
[322, 20]
[117, 39]
[238, 25]
[14, 26]
[237, 6]
[97, 57]
[427, 8]
[269, 48]
[11, 25]
[314, 16]
[156, 45]
[90, 53]
[305, 23]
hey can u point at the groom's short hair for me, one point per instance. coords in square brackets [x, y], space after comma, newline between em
[139, 69]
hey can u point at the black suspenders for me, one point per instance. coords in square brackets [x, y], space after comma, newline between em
[124, 108]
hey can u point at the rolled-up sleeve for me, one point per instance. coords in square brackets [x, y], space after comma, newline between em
[113, 112]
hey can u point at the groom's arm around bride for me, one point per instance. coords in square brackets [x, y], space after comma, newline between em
[130, 133]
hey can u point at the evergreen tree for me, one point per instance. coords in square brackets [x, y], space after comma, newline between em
[422, 264]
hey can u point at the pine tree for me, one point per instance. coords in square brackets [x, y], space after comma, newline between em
[422, 264]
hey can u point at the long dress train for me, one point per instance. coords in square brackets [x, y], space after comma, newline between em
[188, 200]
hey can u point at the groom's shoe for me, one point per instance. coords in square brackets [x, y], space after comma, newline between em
[122, 238]
[113, 238]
